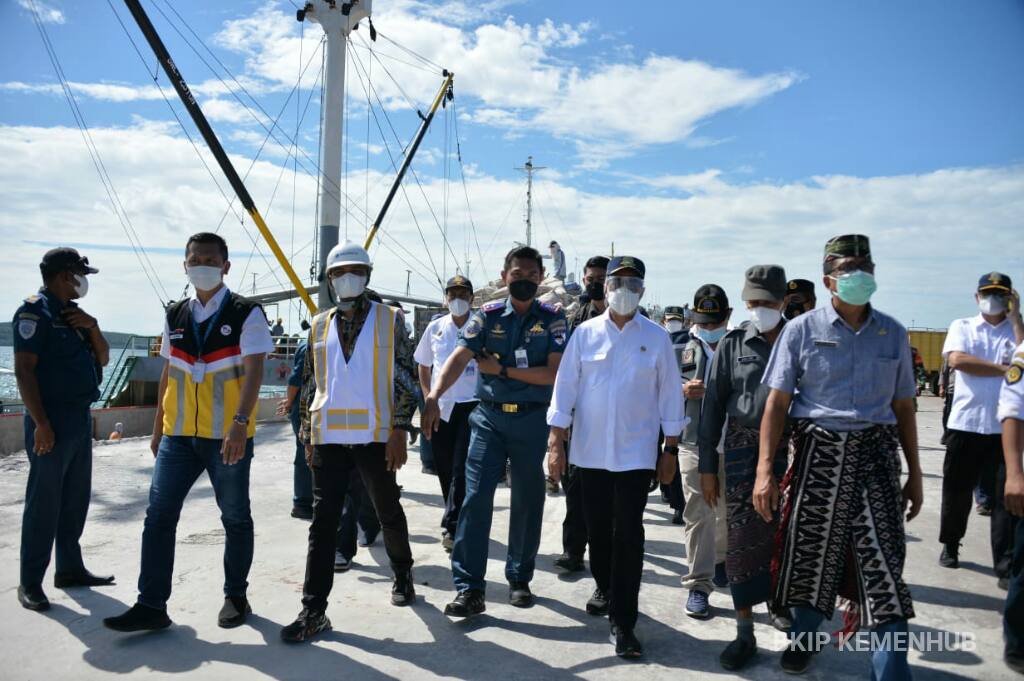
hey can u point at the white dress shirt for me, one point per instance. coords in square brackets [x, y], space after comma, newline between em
[1011, 393]
[436, 345]
[255, 333]
[618, 387]
[976, 398]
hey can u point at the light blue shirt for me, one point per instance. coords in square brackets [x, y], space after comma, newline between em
[842, 379]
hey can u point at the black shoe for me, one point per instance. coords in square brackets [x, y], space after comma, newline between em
[466, 604]
[1014, 659]
[950, 556]
[570, 563]
[341, 562]
[33, 598]
[402, 591]
[139, 618]
[302, 513]
[795, 660]
[68, 580]
[367, 539]
[738, 653]
[984, 509]
[677, 516]
[234, 612]
[306, 626]
[1003, 583]
[519, 594]
[428, 470]
[598, 603]
[626, 643]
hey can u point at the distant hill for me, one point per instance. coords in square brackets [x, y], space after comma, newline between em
[116, 339]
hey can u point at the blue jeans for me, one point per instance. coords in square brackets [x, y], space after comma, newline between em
[497, 437]
[1013, 613]
[57, 495]
[886, 665]
[302, 478]
[179, 463]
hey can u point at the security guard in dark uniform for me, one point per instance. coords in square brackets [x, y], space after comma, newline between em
[800, 298]
[59, 353]
[518, 344]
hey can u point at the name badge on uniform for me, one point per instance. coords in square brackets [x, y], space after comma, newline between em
[826, 344]
[198, 372]
[521, 360]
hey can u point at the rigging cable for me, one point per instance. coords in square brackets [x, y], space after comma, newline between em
[101, 169]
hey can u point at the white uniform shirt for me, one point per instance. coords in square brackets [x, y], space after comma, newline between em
[618, 387]
[1011, 394]
[255, 337]
[438, 342]
[976, 398]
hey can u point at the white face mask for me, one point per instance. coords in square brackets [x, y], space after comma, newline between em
[204, 277]
[765, 318]
[81, 285]
[458, 306]
[623, 301]
[992, 305]
[349, 285]
[674, 326]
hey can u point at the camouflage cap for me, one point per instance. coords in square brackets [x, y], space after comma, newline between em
[846, 246]
[674, 311]
[626, 262]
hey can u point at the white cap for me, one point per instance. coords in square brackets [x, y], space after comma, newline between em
[347, 253]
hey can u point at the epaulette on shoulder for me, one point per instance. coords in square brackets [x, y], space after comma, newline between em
[493, 305]
[548, 307]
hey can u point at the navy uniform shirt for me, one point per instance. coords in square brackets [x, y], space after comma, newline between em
[497, 328]
[67, 371]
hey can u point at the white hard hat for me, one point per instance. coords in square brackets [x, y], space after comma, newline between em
[347, 253]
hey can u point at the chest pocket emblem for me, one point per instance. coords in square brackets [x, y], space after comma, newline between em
[498, 330]
[225, 330]
[537, 329]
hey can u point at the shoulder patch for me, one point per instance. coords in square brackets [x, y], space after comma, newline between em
[493, 305]
[1014, 374]
[26, 328]
[473, 327]
[548, 307]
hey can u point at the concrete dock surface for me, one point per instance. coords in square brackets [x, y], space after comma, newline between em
[555, 639]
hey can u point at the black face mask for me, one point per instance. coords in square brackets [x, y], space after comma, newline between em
[522, 290]
[793, 310]
[595, 290]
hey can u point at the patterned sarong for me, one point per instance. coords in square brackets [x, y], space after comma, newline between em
[750, 540]
[841, 532]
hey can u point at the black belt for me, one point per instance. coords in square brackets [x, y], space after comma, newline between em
[513, 407]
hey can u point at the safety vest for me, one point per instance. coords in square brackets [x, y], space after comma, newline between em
[354, 399]
[204, 384]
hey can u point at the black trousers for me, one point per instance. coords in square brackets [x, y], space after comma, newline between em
[450, 445]
[332, 466]
[357, 514]
[614, 503]
[574, 527]
[973, 458]
[1004, 532]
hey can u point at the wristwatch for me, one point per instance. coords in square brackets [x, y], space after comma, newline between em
[673, 450]
[504, 372]
[241, 420]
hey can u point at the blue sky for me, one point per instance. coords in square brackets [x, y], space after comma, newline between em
[704, 137]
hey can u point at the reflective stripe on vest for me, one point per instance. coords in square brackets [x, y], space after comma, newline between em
[204, 409]
[354, 399]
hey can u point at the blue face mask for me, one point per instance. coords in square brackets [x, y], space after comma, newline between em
[710, 337]
[855, 288]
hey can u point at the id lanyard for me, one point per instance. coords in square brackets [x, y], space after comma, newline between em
[199, 368]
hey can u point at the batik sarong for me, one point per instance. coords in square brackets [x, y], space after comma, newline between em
[750, 539]
[841, 532]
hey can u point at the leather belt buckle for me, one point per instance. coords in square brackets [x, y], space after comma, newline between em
[510, 408]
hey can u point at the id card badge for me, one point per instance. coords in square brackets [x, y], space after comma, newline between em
[521, 361]
[198, 372]
[470, 370]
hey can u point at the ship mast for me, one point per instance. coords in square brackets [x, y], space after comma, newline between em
[529, 169]
[337, 19]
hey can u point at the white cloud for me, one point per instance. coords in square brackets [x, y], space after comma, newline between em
[47, 13]
[128, 92]
[932, 233]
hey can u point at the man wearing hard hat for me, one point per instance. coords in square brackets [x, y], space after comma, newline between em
[356, 413]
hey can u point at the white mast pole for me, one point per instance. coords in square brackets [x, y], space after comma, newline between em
[529, 169]
[337, 19]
